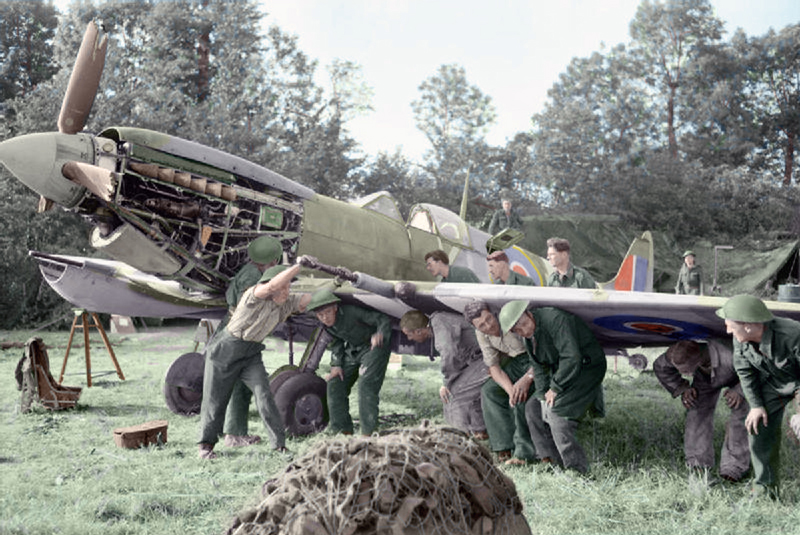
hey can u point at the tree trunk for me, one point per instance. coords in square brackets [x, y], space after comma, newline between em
[673, 142]
[788, 159]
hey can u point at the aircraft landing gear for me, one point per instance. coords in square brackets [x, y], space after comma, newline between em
[301, 395]
[637, 361]
[302, 400]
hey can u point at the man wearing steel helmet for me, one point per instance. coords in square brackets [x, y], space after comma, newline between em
[569, 366]
[359, 352]
[766, 355]
[690, 277]
[235, 355]
[507, 397]
[263, 252]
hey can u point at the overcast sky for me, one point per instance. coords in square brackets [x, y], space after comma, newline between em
[513, 50]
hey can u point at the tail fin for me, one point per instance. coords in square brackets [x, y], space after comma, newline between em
[636, 272]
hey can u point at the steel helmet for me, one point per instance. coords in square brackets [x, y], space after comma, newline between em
[320, 299]
[270, 273]
[511, 313]
[745, 308]
[688, 253]
[265, 250]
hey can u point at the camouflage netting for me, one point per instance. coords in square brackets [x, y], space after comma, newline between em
[407, 481]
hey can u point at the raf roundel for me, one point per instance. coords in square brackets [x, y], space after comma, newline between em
[669, 328]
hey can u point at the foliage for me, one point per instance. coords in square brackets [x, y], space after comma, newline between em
[63, 474]
[667, 36]
[725, 112]
[772, 83]
[26, 41]
[454, 115]
[24, 296]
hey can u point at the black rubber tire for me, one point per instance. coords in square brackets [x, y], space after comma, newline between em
[183, 384]
[280, 376]
[303, 403]
[638, 361]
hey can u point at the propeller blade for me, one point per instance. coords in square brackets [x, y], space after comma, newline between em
[96, 179]
[83, 82]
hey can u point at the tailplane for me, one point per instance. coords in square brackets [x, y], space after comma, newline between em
[636, 272]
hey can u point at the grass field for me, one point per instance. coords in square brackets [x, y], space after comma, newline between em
[62, 473]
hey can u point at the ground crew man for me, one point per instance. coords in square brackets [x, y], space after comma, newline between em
[569, 366]
[438, 264]
[565, 274]
[505, 217]
[235, 355]
[766, 355]
[507, 397]
[690, 277]
[462, 366]
[264, 252]
[501, 272]
[359, 352]
[711, 367]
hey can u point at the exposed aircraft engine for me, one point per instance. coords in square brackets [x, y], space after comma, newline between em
[180, 218]
[425, 480]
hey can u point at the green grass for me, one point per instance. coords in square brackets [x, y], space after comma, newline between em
[62, 473]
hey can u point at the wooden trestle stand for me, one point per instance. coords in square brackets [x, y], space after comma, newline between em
[84, 324]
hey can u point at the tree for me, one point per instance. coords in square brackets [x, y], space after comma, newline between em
[27, 29]
[597, 120]
[399, 176]
[26, 53]
[667, 36]
[455, 116]
[773, 94]
[723, 131]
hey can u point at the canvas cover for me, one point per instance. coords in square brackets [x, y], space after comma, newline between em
[755, 265]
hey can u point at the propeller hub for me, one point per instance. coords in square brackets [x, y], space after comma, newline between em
[36, 161]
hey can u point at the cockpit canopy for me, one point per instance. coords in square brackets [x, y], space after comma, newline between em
[428, 217]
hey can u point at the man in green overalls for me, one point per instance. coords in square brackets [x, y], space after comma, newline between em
[565, 274]
[507, 397]
[359, 352]
[766, 355]
[501, 272]
[569, 366]
[235, 354]
[690, 277]
[438, 264]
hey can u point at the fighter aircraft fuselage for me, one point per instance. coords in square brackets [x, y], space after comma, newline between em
[186, 212]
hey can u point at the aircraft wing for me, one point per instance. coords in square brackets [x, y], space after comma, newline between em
[116, 288]
[619, 320]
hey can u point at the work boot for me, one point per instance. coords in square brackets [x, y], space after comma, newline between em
[794, 429]
[237, 441]
[284, 453]
[206, 452]
[480, 435]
